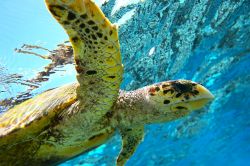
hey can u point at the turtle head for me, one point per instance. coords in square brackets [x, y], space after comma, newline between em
[173, 99]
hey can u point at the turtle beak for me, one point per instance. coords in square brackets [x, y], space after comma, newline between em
[204, 92]
[204, 96]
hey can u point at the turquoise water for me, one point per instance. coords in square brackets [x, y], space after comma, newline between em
[204, 41]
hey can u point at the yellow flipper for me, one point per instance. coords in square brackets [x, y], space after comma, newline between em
[96, 52]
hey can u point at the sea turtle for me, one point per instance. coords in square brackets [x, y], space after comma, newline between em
[67, 121]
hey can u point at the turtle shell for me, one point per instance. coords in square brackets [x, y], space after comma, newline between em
[29, 118]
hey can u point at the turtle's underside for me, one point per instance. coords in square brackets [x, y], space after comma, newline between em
[67, 121]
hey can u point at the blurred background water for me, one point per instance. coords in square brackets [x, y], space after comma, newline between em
[200, 40]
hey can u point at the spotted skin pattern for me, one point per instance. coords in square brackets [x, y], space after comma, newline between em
[96, 52]
[49, 128]
[64, 122]
[131, 138]
[167, 92]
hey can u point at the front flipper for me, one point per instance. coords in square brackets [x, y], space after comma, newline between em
[131, 138]
[96, 52]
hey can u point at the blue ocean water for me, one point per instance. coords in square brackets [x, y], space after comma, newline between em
[200, 40]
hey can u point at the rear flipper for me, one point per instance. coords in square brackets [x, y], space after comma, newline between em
[131, 138]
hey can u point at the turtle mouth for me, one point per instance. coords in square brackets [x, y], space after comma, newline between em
[198, 104]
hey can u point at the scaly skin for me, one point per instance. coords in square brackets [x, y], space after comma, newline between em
[96, 53]
[55, 138]
[62, 123]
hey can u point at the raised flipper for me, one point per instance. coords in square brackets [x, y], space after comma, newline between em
[96, 52]
[131, 138]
